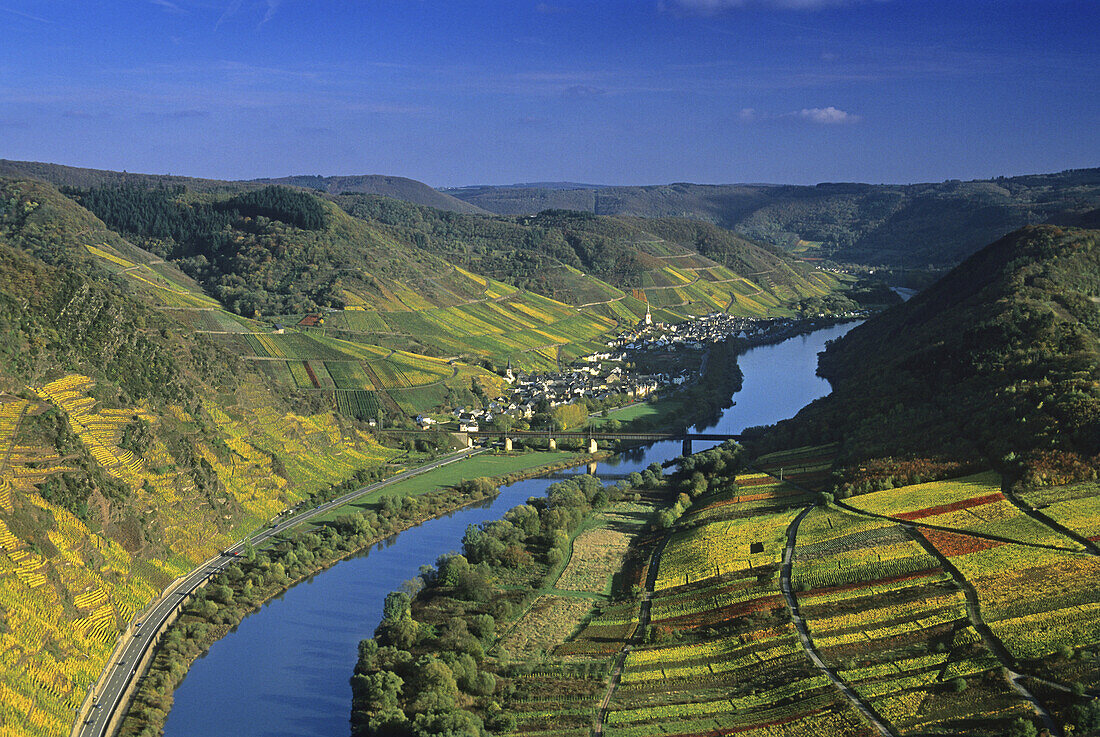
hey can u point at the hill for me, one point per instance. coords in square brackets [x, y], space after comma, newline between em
[682, 266]
[132, 447]
[997, 363]
[917, 225]
[367, 310]
[397, 187]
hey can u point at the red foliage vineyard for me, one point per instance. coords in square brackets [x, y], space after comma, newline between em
[952, 544]
[978, 501]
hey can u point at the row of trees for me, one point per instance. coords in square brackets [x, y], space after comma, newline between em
[261, 575]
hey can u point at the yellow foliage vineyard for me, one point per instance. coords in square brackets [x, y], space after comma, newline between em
[65, 606]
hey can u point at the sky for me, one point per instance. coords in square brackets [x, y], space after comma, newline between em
[463, 92]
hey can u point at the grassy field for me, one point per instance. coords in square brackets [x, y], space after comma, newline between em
[488, 465]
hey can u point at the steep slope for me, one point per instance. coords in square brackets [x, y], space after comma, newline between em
[131, 449]
[935, 224]
[679, 265]
[998, 362]
[276, 250]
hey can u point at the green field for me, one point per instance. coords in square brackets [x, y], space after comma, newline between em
[488, 465]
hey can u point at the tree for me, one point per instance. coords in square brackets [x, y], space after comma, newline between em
[434, 685]
[396, 607]
[1021, 727]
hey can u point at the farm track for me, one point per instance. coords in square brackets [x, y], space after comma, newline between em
[855, 699]
[1050, 522]
[605, 302]
[639, 633]
[991, 641]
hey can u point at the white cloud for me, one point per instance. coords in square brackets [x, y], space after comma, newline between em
[169, 6]
[747, 114]
[827, 115]
[272, 7]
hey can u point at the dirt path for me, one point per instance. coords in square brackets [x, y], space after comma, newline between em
[969, 533]
[1050, 522]
[807, 643]
[991, 641]
[635, 639]
[605, 302]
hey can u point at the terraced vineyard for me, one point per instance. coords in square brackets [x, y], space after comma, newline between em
[910, 600]
[69, 588]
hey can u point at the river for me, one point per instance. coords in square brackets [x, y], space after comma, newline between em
[284, 671]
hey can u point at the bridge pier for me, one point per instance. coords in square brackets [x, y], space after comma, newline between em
[553, 444]
[592, 468]
[507, 444]
[592, 447]
[687, 447]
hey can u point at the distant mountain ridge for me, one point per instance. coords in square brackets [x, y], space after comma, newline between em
[400, 188]
[904, 226]
[912, 225]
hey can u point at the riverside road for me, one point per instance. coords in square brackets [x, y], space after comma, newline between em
[142, 635]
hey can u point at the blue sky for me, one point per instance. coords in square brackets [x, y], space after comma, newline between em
[456, 92]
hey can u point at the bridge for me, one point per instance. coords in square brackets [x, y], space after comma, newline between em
[591, 437]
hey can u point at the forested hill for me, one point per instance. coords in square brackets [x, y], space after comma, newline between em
[916, 225]
[277, 250]
[998, 362]
[550, 252]
[400, 188]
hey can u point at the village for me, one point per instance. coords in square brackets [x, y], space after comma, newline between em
[638, 363]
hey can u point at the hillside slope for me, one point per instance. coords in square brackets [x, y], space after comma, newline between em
[998, 362]
[683, 266]
[399, 188]
[131, 449]
[914, 225]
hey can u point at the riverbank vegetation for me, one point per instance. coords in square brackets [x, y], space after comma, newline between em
[482, 620]
[262, 574]
[918, 623]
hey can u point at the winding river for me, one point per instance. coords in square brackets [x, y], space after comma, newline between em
[284, 671]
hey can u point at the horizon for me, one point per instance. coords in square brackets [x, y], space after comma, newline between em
[702, 91]
[543, 184]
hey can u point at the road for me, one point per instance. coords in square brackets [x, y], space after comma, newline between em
[804, 633]
[141, 637]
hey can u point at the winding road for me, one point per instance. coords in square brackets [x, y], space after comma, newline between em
[122, 669]
[804, 633]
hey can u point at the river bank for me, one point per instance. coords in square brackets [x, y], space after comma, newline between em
[263, 575]
[300, 646]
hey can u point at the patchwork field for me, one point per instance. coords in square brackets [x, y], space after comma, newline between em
[920, 622]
